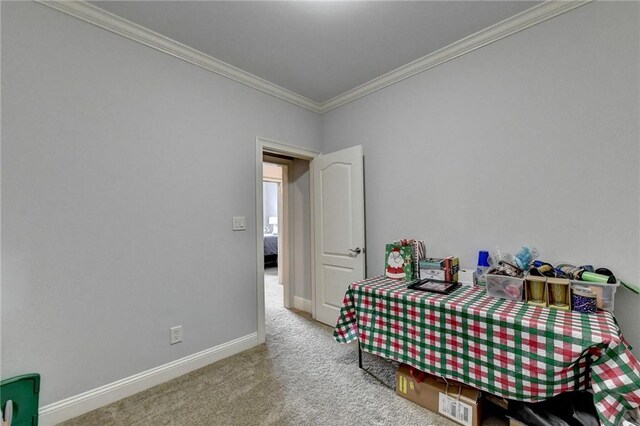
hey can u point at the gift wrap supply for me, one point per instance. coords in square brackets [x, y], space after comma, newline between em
[584, 301]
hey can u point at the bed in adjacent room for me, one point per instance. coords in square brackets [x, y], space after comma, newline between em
[270, 250]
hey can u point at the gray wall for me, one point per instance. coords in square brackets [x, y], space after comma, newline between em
[530, 140]
[121, 170]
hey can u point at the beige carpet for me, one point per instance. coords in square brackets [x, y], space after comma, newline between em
[301, 376]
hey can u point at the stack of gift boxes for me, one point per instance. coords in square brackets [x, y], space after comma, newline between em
[440, 269]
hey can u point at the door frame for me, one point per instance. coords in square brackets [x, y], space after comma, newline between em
[268, 146]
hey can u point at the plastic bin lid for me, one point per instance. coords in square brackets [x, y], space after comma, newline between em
[24, 391]
[593, 283]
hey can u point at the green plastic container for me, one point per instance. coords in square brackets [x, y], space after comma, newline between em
[24, 391]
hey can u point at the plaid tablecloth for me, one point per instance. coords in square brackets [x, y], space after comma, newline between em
[503, 347]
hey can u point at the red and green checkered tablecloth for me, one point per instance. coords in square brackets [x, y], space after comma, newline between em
[503, 347]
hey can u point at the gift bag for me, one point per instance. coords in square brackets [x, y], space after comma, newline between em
[401, 260]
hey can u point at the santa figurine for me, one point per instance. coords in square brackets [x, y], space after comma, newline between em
[395, 264]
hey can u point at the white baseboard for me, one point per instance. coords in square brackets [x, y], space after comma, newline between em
[87, 401]
[302, 304]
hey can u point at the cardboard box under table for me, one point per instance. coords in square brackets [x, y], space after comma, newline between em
[449, 399]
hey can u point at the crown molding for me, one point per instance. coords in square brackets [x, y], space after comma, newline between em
[110, 22]
[502, 29]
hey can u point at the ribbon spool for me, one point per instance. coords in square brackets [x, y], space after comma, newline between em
[584, 300]
[543, 270]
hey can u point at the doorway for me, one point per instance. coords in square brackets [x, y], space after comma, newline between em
[292, 225]
[275, 197]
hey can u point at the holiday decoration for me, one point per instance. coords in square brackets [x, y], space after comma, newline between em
[399, 263]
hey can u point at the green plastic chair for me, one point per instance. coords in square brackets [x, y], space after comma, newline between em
[24, 392]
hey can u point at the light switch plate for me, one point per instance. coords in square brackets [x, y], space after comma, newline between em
[239, 223]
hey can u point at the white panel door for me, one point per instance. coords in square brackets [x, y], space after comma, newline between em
[338, 186]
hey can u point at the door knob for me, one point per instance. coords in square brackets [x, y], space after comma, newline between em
[356, 251]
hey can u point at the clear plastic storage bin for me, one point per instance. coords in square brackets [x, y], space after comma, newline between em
[505, 287]
[605, 292]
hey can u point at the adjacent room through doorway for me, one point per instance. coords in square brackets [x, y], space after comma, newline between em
[272, 201]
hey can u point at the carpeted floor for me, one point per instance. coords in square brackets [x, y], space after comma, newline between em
[301, 376]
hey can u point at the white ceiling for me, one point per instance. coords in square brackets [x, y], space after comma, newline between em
[317, 49]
